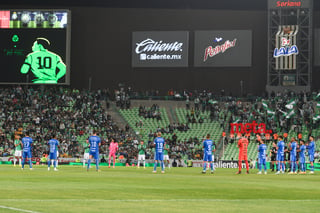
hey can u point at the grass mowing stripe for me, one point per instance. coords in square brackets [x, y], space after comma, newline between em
[158, 200]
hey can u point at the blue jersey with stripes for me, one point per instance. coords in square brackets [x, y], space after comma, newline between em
[311, 148]
[159, 143]
[207, 147]
[53, 144]
[293, 151]
[262, 151]
[94, 142]
[26, 141]
[281, 146]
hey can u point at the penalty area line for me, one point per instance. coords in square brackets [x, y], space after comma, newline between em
[16, 209]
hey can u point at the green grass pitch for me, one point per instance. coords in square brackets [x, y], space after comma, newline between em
[73, 189]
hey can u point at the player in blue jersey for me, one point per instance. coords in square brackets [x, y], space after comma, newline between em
[159, 143]
[302, 158]
[262, 157]
[53, 150]
[280, 155]
[27, 153]
[311, 149]
[94, 143]
[207, 154]
[293, 155]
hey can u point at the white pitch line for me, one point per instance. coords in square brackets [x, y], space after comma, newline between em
[155, 200]
[16, 209]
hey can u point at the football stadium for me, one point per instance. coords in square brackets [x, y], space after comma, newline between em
[160, 106]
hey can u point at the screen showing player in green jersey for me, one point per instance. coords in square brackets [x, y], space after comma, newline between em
[46, 66]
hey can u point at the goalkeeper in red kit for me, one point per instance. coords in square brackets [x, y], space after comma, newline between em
[243, 153]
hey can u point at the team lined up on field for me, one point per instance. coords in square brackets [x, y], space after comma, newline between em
[296, 152]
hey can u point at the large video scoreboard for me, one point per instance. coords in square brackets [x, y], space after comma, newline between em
[35, 46]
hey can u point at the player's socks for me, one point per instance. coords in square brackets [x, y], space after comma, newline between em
[57, 164]
[162, 165]
[14, 161]
[144, 164]
[138, 163]
[155, 166]
[259, 167]
[30, 164]
[97, 164]
[279, 167]
[292, 167]
[52, 163]
[239, 164]
[89, 161]
[211, 166]
[19, 161]
[49, 163]
[204, 166]
[283, 167]
[114, 163]
[312, 168]
[84, 162]
[22, 164]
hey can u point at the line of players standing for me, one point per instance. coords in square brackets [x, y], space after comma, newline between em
[295, 152]
[292, 155]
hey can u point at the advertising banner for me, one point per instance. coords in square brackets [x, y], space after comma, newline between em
[160, 49]
[232, 48]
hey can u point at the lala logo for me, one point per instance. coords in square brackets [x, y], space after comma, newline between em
[285, 49]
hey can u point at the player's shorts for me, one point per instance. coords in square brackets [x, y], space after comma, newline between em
[273, 157]
[302, 160]
[158, 156]
[53, 156]
[262, 161]
[293, 158]
[287, 158]
[86, 155]
[166, 157]
[207, 157]
[26, 155]
[141, 157]
[243, 157]
[280, 157]
[95, 155]
[18, 153]
[311, 158]
[112, 154]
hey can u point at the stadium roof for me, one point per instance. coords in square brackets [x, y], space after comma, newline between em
[169, 4]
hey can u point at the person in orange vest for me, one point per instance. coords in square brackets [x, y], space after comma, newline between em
[231, 136]
[224, 139]
[285, 137]
[258, 138]
[268, 137]
[275, 138]
[300, 136]
[248, 136]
